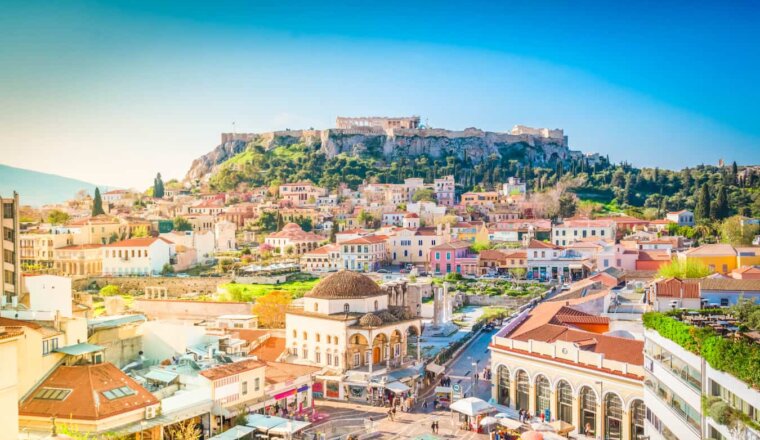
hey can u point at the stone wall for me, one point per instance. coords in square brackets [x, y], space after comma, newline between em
[188, 309]
[175, 286]
[501, 301]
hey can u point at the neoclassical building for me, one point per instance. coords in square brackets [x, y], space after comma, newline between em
[365, 336]
[557, 358]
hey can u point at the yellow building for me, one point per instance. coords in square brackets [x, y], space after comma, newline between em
[39, 248]
[97, 230]
[78, 260]
[37, 356]
[723, 258]
[9, 383]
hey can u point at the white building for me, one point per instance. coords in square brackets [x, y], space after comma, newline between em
[224, 235]
[295, 239]
[680, 383]
[445, 191]
[358, 332]
[49, 294]
[573, 230]
[513, 187]
[137, 256]
[202, 242]
[682, 217]
[322, 259]
[364, 254]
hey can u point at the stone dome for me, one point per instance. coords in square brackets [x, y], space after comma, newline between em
[291, 227]
[370, 320]
[344, 285]
[387, 316]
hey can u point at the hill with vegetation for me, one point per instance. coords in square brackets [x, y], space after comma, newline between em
[36, 188]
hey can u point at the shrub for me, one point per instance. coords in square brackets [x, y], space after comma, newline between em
[110, 290]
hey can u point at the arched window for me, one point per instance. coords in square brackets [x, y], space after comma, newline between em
[317, 337]
[316, 307]
[613, 417]
[346, 308]
[376, 305]
[503, 381]
[588, 411]
[522, 383]
[305, 336]
[564, 402]
[295, 334]
[638, 411]
[543, 394]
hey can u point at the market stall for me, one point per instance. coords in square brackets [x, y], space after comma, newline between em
[471, 410]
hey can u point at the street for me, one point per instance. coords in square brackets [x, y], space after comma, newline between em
[462, 370]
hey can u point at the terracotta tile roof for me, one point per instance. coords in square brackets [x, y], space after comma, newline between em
[323, 250]
[677, 288]
[453, 245]
[541, 245]
[586, 223]
[270, 350]
[8, 322]
[10, 333]
[138, 242]
[293, 232]
[567, 315]
[368, 239]
[426, 231]
[654, 256]
[247, 334]
[232, 369]
[548, 312]
[612, 347]
[730, 284]
[279, 372]
[711, 250]
[89, 387]
[492, 254]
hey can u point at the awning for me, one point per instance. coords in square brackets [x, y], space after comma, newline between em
[397, 387]
[263, 422]
[289, 427]
[575, 266]
[234, 433]
[79, 349]
[435, 368]
[162, 376]
[290, 392]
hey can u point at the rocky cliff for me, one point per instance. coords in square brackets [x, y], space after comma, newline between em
[475, 144]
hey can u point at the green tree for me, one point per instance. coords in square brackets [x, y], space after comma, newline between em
[424, 195]
[110, 290]
[333, 231]
[57, 217]
[167, 269]
[684, 269]
[702, 210]
[158, 186]
[721, 204]
[733, 232]
[267, 221]
[97, 203]
[181, 224]
[140, 232]
[567, 205]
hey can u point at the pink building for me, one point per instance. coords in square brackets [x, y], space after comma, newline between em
[454, 257]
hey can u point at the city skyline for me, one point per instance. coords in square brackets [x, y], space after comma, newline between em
[89, 83]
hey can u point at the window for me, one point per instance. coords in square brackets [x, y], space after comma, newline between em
[317, 357]
[335, 338]
[316, 307]
[565, 402]
[448, 255]
[523, 390]
[437, 255]
[118, 393]
[376, 305]
[49, 346]
[305, 352]
[543, 394]
[256, 384]
[613, 417]
[346, 308]
[357, 359]
[295, 334]
[329, 359]
[638, 411]
[328, 338]
[244, 388]
[503, 383]
[52, 394]
[588, 409]
[317, 337]
[305, 336]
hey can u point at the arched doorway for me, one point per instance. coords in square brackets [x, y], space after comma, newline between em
[357, 347]
[543, 395]
[522, 384]
[379, 348]
[613, 417]
[503, 384]
[638, 412]
[587, 411]
[564, 402]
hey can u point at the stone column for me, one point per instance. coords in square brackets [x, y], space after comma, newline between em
[419, 347]
[600, 418]
[626, 428]
[553, 405]
[513, 393]
[576, 413]
[532, 399]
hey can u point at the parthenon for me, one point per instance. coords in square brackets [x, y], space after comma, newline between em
[378, 122]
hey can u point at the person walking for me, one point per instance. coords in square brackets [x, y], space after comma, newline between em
[390, 414]
[432, 427]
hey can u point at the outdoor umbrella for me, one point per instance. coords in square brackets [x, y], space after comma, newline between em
[489, 421]
[532, 435]
[510, 423]
[562, 427]
[471, 406]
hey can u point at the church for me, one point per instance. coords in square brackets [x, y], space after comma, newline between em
[364, 336]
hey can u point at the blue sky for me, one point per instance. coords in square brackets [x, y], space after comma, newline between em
[112, 92]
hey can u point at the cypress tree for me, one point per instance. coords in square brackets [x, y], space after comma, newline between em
[97, 203]
[158, 186]
[721, 203]
[702, 210]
